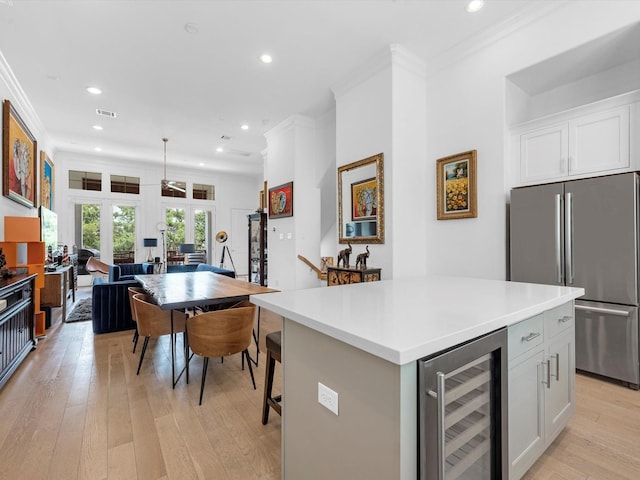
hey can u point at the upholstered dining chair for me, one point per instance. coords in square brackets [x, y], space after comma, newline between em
[221, 333]
[132, 292]
[152, 321]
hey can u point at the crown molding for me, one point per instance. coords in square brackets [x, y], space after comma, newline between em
[472, 45]
[19, 98]
[394, 56]
[288, 123]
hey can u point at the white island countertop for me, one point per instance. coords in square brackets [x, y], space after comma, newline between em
[406, 319]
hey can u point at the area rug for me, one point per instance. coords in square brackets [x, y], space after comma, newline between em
[81, 311]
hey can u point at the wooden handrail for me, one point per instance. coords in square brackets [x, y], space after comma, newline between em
[321, 275]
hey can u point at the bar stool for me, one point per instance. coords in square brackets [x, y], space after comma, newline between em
[274, 353]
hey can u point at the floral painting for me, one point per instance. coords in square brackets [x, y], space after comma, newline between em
[456, 186]
[364, 199]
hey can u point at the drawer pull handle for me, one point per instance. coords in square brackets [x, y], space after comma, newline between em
[530, 337]
[565, 319]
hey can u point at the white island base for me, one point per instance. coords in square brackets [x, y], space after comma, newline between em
[363, 342]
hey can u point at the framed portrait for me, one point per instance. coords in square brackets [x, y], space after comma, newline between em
[456, 186]
[364, 199]
[47, 179]
[19, 155]
[281, 201]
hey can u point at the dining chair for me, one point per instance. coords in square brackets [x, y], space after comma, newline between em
[132, 292]
[152, 321]
[221, 333]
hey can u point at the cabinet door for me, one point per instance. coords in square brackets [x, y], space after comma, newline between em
[544, 153]
[560, 399]
[526, 412]
[599, 142]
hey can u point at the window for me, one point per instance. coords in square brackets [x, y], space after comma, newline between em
[200, 226]
[90, 226]
[175, 228]
[122, 184]
[124, 236]
[179, 192]
[204, 192]
[85, 180]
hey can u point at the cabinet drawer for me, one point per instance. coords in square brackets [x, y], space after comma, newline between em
[526, 335]
[559, 319]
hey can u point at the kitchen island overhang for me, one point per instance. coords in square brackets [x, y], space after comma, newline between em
[407, 319]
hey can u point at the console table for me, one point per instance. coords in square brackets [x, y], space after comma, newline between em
[344, 276]
[57, 285]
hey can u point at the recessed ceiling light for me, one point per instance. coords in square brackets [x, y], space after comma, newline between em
[219, 149]
[97, 127]
[474, 5]
[94, 90]
[98, 149]
[266, 58]
[201, 164]
[245, 127]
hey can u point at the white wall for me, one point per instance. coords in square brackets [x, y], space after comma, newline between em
[11, 90]
[292, 153]
[466, 110]
[231, 192]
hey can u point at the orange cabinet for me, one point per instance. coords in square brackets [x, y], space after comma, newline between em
[23, 249]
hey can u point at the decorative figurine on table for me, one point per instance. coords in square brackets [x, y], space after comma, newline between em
[49, 254]
[65, 255]
[344, 256]
[361, 259]
[5, 272]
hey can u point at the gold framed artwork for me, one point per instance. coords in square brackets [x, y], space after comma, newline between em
[47, 179]
[19, 147]
[456, 186]
[281, 201]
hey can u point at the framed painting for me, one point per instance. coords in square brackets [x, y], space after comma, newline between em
[281, 201]
[19, 147]
[364, 199]
[456, 186]
[46, 181]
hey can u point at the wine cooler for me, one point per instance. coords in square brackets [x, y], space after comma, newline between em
[463, 411]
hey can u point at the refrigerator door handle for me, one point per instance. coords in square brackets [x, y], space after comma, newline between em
[442, 439]
[568, 227]
[558, 232]
[609, 311]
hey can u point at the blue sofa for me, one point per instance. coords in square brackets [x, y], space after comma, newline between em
[126, 271]
[200, 267]
[110, 308]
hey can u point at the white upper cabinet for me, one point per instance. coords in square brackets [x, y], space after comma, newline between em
[594, 140]
[599, 142]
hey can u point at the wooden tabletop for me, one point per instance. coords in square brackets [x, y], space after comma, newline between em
[190, 289]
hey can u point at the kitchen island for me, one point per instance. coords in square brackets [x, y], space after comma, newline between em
[363, 341]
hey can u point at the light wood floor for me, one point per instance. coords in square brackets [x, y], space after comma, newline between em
[75, 409]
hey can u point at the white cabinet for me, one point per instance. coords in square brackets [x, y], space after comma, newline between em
[541, 378]
[587, 144]
[596, 139]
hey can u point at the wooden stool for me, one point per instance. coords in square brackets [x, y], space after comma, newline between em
[274, 352]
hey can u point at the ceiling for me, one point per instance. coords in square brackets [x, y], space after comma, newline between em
[190, 70]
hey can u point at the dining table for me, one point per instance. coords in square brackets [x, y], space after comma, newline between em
[185, 290]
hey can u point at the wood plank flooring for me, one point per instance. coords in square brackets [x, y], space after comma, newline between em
[75, 409]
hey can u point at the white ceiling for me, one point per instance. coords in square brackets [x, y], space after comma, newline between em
[194, 88]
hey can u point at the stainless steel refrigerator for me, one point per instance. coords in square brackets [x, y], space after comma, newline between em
[584, 233]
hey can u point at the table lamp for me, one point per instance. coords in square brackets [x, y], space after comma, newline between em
[150, 243]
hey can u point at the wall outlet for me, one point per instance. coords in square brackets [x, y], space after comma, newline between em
[328, 398]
